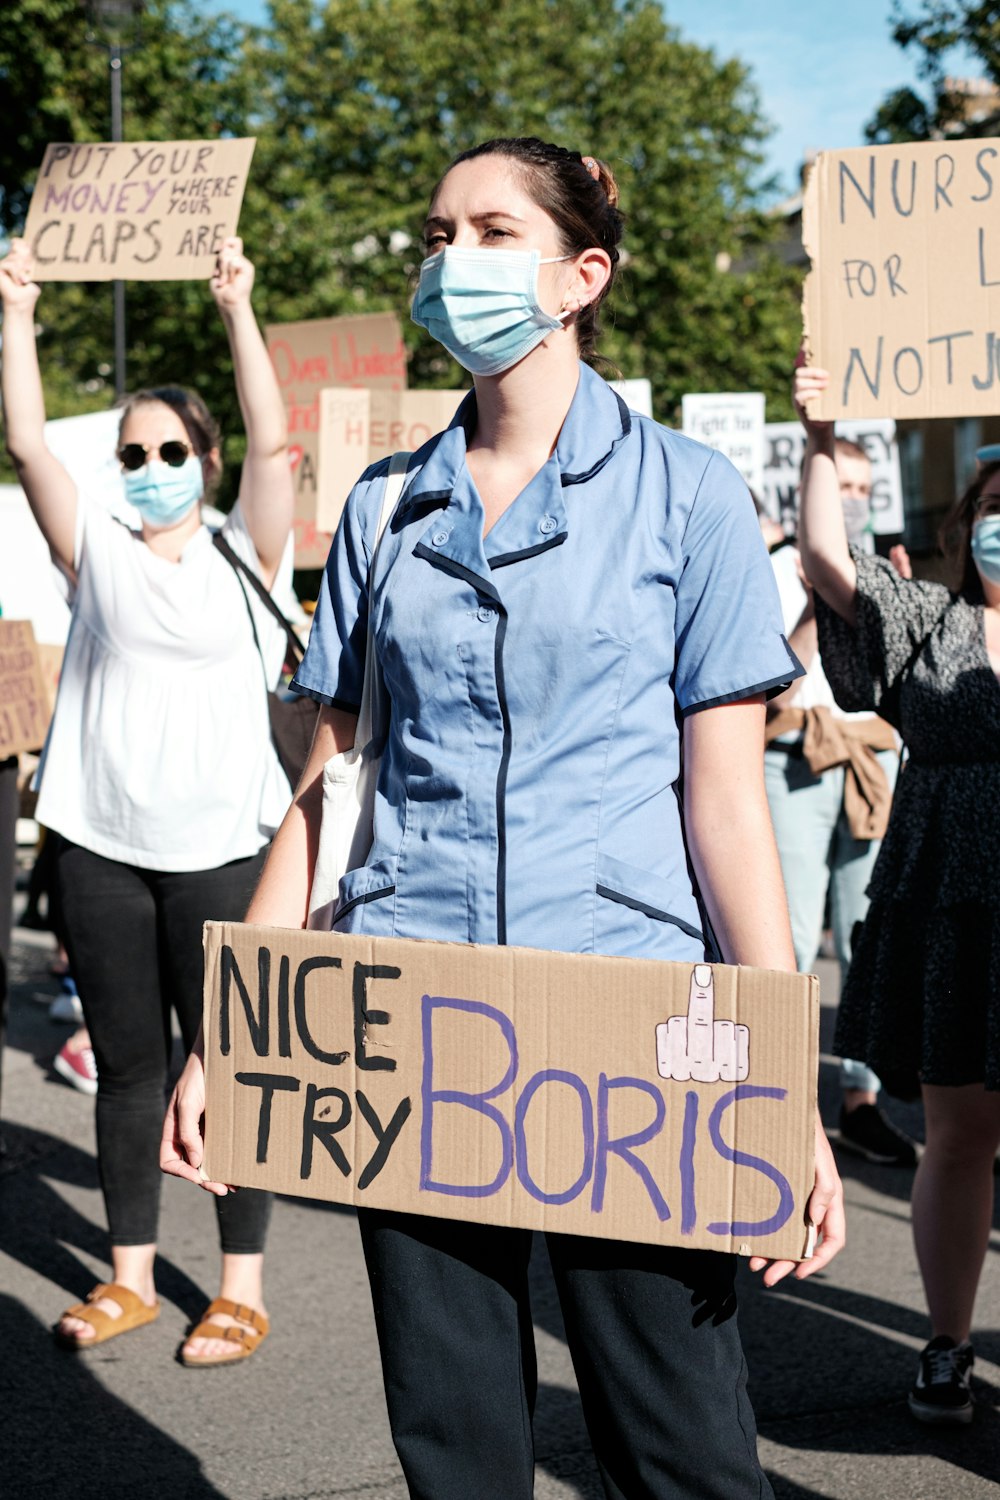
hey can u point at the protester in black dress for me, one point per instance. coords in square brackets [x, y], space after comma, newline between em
[921, 1004]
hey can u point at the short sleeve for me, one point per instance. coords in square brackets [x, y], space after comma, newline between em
[333, 668]
[865, 662]
[730, 641]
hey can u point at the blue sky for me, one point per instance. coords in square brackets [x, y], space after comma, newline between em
[821, 70]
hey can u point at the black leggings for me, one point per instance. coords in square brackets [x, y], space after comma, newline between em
[135, 947]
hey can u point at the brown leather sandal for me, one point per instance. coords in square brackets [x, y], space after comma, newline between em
[134, 1314]
[250, 1330]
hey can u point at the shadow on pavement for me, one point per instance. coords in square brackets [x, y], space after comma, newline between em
[787, 1489]
[96, 1445]
[38, 1226]
[839, 1381]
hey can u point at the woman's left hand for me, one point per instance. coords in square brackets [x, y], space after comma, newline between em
[232, 279]
[825, 1212]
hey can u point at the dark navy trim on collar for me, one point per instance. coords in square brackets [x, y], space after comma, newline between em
[458, 570]
[504, 558]
[597, 423]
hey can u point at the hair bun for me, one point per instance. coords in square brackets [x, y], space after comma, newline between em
[606, 179]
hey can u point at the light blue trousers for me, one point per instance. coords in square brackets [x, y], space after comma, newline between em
[818, 854]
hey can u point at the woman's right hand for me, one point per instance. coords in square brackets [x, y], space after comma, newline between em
[182, 1147]
[808, 384]
[16, 286]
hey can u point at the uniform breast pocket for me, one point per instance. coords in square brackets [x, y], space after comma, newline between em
[639, 915]
[366, 900]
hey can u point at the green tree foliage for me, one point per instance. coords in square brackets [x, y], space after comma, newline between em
[184, 77]
[358, 106]
[933, 32]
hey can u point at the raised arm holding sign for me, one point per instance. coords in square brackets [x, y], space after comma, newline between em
[159, 771]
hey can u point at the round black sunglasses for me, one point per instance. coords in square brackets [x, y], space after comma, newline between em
[133, 456]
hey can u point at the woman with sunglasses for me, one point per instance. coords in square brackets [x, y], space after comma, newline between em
[566, 596]
[159, 772]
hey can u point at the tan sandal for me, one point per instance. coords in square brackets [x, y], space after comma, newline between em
[134, 1314]
[250, 1330]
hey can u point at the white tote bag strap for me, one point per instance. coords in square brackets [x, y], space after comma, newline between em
[395, 483]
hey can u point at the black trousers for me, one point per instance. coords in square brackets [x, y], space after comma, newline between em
[135, 948]
[9, 801]
[653, 1337]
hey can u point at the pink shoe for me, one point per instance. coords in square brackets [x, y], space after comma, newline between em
[78, 1068]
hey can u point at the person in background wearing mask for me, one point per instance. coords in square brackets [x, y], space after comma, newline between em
[921, 1002]
[159, 772]
[829, 778]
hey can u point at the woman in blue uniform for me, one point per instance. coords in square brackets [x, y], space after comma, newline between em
[568, 598]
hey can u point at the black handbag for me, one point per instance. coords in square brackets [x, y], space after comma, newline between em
[293, 719]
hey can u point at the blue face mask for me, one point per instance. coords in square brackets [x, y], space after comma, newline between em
[986, 547]
[163, 495]
[482, 305]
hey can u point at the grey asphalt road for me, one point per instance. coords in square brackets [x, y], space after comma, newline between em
[830, 1359]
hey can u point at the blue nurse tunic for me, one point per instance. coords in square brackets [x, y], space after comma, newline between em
[529, 786]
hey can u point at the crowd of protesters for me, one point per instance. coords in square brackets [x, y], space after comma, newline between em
[165, 804]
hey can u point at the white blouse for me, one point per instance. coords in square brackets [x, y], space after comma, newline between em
[159, 753]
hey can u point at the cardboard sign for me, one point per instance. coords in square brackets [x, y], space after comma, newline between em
[135, 210]
[366, 351]
[622, 1098]
[784, 445]
[733, 423]
[902, 305]
[24, 701]
[358, 427]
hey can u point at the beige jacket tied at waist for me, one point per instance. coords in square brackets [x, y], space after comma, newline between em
[829, 741]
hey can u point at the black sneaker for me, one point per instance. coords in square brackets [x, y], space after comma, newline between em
[941, 1391]
[866, 1131]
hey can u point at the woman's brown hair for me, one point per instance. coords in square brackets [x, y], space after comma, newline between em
[583, 207]
[955, 537]
[199, 424]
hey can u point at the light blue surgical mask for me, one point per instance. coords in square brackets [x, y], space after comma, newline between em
[857, 516]
[986, 547]
[482, 305]
[163, 495]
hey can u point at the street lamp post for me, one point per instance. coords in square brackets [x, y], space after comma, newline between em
[115, 20]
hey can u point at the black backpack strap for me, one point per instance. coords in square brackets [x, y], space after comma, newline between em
[295, 646]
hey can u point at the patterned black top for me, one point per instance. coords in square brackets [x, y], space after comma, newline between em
[918, 656]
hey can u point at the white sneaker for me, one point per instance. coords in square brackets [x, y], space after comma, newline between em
[78, 1068]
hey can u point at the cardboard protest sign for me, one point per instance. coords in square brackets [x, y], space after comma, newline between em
[366, 351]
[24, 701]
[902, 305]
[135, 210]
[623, 1098]
[733, 423]
[358, 427]
[784, 445]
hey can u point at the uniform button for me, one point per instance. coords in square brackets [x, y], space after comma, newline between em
[547, 525]
[440, 537]
[485, 613]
